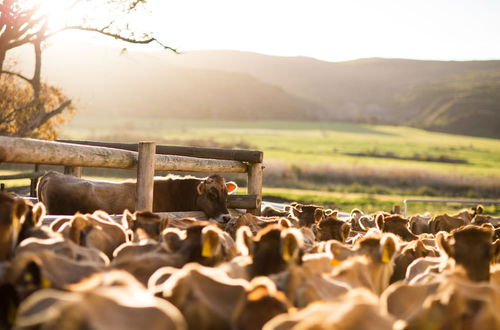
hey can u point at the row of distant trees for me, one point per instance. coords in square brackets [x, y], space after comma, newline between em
[29, 107]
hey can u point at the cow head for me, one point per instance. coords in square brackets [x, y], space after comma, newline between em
[472, 248]
[332, 228]
[212, 197]
[12, 214]
[395, 224]
[307, 214]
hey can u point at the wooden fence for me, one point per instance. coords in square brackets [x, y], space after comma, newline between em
[145, 157]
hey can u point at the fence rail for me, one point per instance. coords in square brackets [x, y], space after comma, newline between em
[86, 154]
[435, 200]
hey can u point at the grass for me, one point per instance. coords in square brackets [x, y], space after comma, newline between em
[315, 157]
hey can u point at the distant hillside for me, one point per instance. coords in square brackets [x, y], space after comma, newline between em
[242, 85]
[465, 104]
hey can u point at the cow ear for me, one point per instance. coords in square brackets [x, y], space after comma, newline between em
[291, 243]
[445, 243]
[8, 305]
[495, 251]
[319, 214]
[128, 219]
[39, 213]
[389, 247]
[244, 241]
[284, 222]
[76, 228]
[296, 211]
[210, 242]
[328, 212]
[19, 209]
[231, 187]
[345, 229]
[164, 222]
[201, 188]
[479, 209]
[379, 221]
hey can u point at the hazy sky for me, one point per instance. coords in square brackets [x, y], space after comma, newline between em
[333, 30]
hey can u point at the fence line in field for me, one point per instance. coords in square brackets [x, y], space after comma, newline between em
[436, 200]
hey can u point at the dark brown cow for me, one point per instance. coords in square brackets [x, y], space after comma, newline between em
[445, 222]
[12, 214]
[395, 224]
[472, 248]
[308, 214]
[66, 194]
[412, 251]
[332, 228]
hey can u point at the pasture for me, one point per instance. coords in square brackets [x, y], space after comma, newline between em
[346, 164]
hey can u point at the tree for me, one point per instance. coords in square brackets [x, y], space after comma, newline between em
[28, 106]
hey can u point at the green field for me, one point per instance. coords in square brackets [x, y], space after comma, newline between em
[390, 166]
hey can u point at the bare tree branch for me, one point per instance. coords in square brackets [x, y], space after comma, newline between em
[41, 119]
[16, 74]
[112, 35]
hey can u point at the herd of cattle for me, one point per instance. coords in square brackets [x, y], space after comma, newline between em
[303, 267]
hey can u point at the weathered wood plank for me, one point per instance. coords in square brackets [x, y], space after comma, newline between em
[31, 151]
[242, 202]
[251, 156]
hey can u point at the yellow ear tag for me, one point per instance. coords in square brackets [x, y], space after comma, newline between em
[207, 249]
[335, 262]
[46, 283]
[385, 256]
[28, 278]
[286, 255]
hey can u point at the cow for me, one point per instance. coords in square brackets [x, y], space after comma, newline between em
[368, 271]
[395, 224]
[472, 248]
[412, 251]
[331, 228]
[120, 306]
[307, 214]
[13, 212]
[66, 194]
[419, 224]
[445, 222]
[358, 309]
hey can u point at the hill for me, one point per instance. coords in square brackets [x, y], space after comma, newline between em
[243, 85]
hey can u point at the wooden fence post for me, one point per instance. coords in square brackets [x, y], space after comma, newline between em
[255, 175]
[145, 176]
[73, 170]
[34, 181]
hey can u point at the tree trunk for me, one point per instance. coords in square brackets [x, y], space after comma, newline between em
[2, 59]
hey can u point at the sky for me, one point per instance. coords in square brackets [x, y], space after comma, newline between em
[331, 30]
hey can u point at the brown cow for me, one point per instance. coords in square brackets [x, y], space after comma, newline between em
[66, 194]
[125, 307]
[369, 272]
[412, 251]
[12, 214]
[358, 309]
[419, 224]
[308, 214]
[395, 224]
[332, 228]
[472, 248]
[445, 222]
[145, 225]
